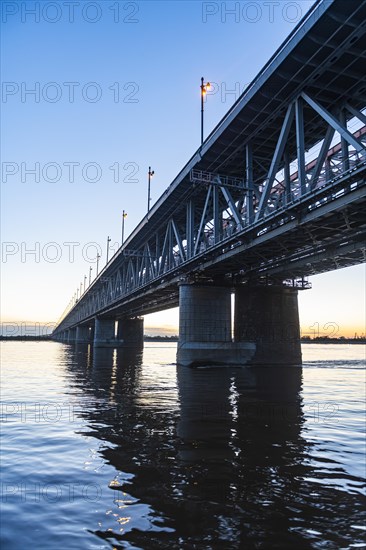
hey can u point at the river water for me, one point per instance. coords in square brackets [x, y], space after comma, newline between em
[114, 449]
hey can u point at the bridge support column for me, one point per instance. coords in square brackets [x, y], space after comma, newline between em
[92, 332]
[104, 333]
[71, 335]
[269, 317]
[82, 334]
[130, 333]
[205, 328]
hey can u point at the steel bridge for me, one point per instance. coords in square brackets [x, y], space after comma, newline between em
[276, 193]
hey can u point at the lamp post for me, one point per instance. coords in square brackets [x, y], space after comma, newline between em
[124, 215]
[150, 175]
[81, 289]
[98, 258]
[205, 86]
[108, 241]
[85, 278]
[90, 272]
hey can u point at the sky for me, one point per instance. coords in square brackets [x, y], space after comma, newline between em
[93, 93]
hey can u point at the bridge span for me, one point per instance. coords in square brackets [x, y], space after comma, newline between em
[276, 193]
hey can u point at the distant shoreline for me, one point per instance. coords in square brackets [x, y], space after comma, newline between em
[305, 340]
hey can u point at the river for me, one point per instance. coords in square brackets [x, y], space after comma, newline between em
[117, 449]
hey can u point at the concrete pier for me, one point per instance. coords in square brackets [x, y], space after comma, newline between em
[104, 333]
[83, 334]
[71, 335]
[130, 333]
[205, 328]
[268, 316]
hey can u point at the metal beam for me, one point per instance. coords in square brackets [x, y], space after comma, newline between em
[300, 143]
[164, 251]
[216, 214]
[190, 228]
[179, 240]
[230, 201]
[344, 144]
[356, 113]
[249, 182]
[202, 223]
[332, 121]
[151, 261]
[322, 156]
[286, 173]
[276, 160]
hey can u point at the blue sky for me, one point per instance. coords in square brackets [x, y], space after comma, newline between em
[122, 91]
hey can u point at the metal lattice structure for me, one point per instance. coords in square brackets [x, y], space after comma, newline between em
[277, 191]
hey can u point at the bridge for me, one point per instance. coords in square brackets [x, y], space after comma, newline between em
[276, 193]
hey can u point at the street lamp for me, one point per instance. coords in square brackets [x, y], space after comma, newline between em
[90, 272]
[124, 215]
[151, 173]
[205, 86]
[85, 278]
[98, 258]
[108, 241]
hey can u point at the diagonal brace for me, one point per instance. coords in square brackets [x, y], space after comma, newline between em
[332, 121]
[322, 156]
[280, 147]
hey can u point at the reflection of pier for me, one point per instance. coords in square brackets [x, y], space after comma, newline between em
[241, 428]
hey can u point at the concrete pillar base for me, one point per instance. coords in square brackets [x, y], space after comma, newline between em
[82, 335]
[196, 354]
[71, 335]
[205, 328]
[104, 333]
[268, 316]
[130, 333]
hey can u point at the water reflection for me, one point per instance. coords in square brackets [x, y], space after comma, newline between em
[218, 455]
[240, 435]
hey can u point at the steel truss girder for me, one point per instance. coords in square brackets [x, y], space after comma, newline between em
[225, 206]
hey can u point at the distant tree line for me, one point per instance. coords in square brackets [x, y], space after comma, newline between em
[147, 338]
[329, 340]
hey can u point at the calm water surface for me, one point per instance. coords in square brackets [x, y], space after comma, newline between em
[114, 449]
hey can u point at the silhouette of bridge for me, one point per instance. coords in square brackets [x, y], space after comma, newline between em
[275, 193]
